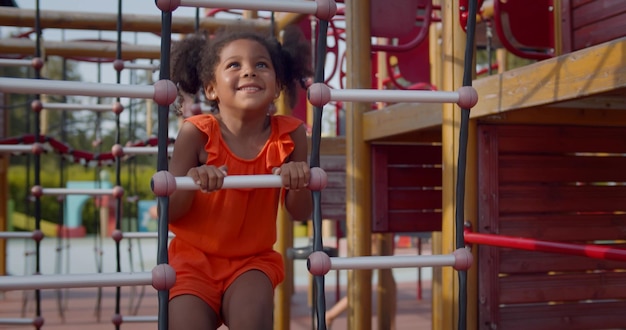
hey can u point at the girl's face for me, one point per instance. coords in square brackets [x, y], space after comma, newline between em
[245, 79]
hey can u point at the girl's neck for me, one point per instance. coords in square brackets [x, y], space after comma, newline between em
[245, 138]
[249, 126]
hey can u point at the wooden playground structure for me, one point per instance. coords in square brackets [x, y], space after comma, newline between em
[546, 151]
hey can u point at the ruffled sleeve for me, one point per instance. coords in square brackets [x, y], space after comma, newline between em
[281, 146]
[206, 123]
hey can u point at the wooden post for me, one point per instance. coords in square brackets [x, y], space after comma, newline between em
[284, 291]
[386, 286]
[436, 77]
[453, 49]
[284, 241]
[358, 167]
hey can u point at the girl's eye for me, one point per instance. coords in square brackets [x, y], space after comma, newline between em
[232, 65]
[262, 65]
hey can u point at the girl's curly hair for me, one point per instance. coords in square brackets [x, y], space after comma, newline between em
[184, 65]
[195, 58]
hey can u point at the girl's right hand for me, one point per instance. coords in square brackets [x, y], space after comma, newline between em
[208, 177]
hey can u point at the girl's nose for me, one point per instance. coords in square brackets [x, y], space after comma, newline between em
[249, 72]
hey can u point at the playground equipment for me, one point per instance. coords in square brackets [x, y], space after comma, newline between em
[538, 136]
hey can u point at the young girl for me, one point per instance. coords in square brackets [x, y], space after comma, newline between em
[226, 268]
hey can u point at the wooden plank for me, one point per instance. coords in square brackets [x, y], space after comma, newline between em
[414, 199]
[550, 214]
[596, 315]
[335, 146]
[108, 22]
[565, 227]
[538, 199]
[69, 49]
[488, 217]
[407, 187]
[399, 119]
[596, 11]
[336, 180]
[413, 154]
[579, 3]
[597, 111]
[583, 73]
[333, 163]
[380, 196]
[527, 262]
[603, 30]
[334, 212]
[560, 139]
[414, 177]
[565, 26]
[411, 222]
[570, 287]
[561, 168]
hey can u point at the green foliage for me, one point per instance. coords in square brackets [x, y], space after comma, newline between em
[134, 179]
[77, 130]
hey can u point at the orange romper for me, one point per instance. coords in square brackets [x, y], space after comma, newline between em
[230, 231]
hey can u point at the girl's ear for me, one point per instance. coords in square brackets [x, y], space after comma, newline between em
[209, 93]
[279, 89]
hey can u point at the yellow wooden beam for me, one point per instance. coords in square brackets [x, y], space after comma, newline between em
[587, 72]
[80, 49]
[400, 118]
[108, 22]
[284, 242]
[559, 116]
[331, 145]
[358, 174]
[453, 47]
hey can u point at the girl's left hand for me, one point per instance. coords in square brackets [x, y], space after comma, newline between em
[294, 175]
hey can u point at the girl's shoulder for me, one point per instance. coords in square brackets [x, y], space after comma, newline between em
[203, 122]
[287, 123]
[203, 117]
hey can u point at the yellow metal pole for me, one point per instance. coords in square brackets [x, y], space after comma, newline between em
[453, 48]
[358, 179]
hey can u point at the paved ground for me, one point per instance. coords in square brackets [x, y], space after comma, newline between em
[92, 308]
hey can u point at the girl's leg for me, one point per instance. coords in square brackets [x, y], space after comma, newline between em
[336, 310]
[187, 312]
[249, 302]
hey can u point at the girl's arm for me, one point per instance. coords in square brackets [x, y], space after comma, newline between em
[187, 148]
[298, 202]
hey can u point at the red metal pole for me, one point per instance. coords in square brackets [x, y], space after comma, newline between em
[585, 250]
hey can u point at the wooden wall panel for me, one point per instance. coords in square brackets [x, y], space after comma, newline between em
[407, 181]
[556, 184]
[594, 22]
